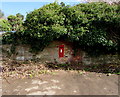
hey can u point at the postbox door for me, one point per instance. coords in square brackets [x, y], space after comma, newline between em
[61, 51]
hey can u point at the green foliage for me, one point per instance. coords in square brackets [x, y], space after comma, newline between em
[102, 27]
[15, 21]
[4, 25]
[44, 24]
[7, 38]
[20, 16]
[93, 25]
[12, 23]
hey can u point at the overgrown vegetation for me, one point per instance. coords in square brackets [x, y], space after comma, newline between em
[103, 68]
[92, 26]
[12, 23]
[33, 69]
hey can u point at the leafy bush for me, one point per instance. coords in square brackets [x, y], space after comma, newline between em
[7, 38]
[92, 26]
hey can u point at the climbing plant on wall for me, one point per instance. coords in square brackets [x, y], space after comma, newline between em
[95, 25]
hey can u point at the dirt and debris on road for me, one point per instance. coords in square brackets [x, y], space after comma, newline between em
[39, 79]
[63, 83]
[12, 68]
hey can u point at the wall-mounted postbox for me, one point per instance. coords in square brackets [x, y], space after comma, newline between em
[61, 51]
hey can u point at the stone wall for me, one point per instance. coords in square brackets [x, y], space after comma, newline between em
[103, 59]
[51, 54]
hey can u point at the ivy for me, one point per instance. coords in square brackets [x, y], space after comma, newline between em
[90, 25]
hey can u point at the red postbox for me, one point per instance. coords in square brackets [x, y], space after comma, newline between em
[61, 51]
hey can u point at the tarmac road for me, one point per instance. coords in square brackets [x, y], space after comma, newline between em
[63, 83]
